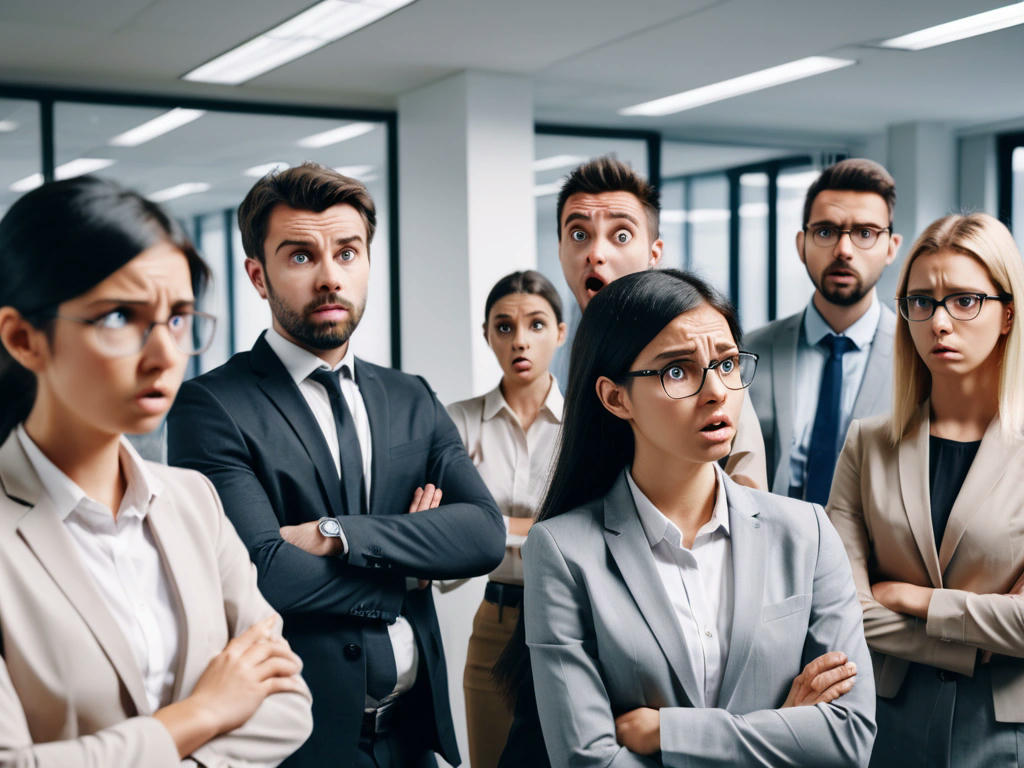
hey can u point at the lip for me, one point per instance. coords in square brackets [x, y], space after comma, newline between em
[723, 433]
[593, 290]
[521, 364]
[941, 350]
[330, 312]
[154, 400]
[842, 275]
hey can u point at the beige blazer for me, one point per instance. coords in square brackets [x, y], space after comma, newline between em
[71, 693]
[880, 506]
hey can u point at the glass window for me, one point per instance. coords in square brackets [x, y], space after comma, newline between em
[752, 302]
[1017, 197]
[708, 219]
[793, 286]
[20, 152]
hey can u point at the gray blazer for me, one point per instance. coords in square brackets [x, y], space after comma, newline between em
[772, 390]
[603, 639]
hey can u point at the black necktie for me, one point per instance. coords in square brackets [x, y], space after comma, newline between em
[823, 451]
[381, 673]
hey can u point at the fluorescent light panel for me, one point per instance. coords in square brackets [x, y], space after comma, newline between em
[259, 171]
[68, 170]
[959, 29]
[737, 86]
[543, 190]
[355, 171]
[178, 190]
[314, 28]
[557, 161]
[336, 135]
[6, 126]
[158, 126]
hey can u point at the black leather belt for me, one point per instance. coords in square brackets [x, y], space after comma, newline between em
[379, 722]
[503, 594]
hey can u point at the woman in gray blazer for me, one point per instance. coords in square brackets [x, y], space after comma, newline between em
[672, 616]
[929, 503]
[132, 633]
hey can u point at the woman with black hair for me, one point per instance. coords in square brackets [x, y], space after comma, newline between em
[132, 632]
[674, 617]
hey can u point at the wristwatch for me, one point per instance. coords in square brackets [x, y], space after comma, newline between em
[329, 527]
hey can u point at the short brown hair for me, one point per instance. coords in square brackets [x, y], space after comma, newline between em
[856, 174]
[307, 187]
[607, 174]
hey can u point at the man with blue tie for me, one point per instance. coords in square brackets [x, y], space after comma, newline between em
[832, 362]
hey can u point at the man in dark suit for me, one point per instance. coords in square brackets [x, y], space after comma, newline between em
[319, 459]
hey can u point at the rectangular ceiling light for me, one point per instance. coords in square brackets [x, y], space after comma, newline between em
[178, 190]
[158, 126]
[958, 29]
[6, 126]
[314, 28]
[737, 86]
[355, 171]
[336, 135]
[259, 171]
[557, 161]
[68, 170]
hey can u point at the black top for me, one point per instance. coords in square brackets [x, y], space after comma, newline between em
[949, 462]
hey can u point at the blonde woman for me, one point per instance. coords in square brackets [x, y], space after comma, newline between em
[930, 505]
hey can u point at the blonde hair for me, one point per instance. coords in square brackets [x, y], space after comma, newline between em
[990, 242]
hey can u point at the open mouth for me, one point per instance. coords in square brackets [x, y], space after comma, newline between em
[715, 425]
[593, 283]
[521, 364]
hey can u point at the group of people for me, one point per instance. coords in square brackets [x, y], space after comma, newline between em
[824, 572]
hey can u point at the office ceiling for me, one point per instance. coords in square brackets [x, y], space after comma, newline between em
[587, 58]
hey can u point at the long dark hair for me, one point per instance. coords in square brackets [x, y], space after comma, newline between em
[56, 243]
[595, 446]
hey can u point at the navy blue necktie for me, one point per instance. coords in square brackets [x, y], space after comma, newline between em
[381, 673]
[823, 451]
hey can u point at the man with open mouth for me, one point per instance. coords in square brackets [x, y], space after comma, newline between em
[831, 362]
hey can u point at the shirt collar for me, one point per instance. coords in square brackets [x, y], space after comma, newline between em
[142, 489]
[299, 362]
[658, 527]
[495, 403]
[861, 333]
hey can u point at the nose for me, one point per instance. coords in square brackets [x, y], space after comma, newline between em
[843, 248]
[714, 389]
[597, 253]
[941, 322]
[160, 351]
[329, 276]
[520, 340]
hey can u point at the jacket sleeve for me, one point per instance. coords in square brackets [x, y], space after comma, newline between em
[284, 721]
[202, 435]
[747, 463]
[990, 622]
[463, 537]
[888, 632]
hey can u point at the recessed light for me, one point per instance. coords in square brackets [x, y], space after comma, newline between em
[158, 126]
[178, 190]
[959, 29]
[336, 135]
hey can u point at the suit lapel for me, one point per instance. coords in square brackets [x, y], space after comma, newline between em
[627, 542]
[916, 492]
[376, 402]
[783, 372]
[43, 531]
[748, 562]
[275, 381]
[875, 386]
[995, 454]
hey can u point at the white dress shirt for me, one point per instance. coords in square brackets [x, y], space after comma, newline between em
[300, 363]
[515, 464]
[810, 365]
[699, 583]
[124, 561]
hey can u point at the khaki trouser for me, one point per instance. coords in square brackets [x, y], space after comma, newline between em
[488, 717]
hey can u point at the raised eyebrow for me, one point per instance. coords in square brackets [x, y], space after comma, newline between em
[623, 215]
[349, 240]
[575, 217]
[299, 243]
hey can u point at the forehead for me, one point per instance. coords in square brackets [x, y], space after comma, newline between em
[701, 325]
[521, 304]
[842, 206]
[161, 268]
[951, 268]
[340, 220]
[603, 203]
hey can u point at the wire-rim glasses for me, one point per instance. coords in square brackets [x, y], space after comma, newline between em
[685, 378]
[963, 305]
[191, 332]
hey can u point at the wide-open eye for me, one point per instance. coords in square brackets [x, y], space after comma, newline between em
[538, 325]
[578, 235]
[623, 236]
[300, 258]
[825, 232]
[347, 255]
[115, 319]
[180, 324]
[676, 373]
[965, 301]
[729, 365]
[503, 328]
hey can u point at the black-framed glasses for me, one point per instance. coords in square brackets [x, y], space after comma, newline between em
[919, 307]
[121, 333]
[827, 235]
[685, 378]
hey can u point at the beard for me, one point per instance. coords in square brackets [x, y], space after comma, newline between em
[843, 296]
[310, 334]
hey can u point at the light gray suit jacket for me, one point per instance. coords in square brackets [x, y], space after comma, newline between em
[772, 390]
[604, 640]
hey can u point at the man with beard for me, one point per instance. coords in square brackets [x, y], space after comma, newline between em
[831, 363]
[318, 457]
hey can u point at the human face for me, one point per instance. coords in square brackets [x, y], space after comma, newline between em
[604, 237]
[844, 274]
[950, 347]
[315, 272]
[524, 334]
[85, 388]
[694, 430]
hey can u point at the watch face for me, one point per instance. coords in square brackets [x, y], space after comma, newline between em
[330, 527]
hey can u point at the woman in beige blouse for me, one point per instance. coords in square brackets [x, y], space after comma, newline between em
[511, 434]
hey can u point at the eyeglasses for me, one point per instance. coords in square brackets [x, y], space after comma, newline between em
[827, 235]
[122, 332]
[960, 306]
[685, 378]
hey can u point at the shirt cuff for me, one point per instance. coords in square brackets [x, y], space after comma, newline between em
[947, 615]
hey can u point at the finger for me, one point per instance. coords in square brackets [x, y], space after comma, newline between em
[261, 630]
[830, 677]
[835, 691]
[416, 496]
[436, 502]
[277, 667]
[290, 684]
[428, 496]
[824, 662]
[265, 649]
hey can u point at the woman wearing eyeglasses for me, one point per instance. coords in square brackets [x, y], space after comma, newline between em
[674, 617]
[929, 503]
[131, 629]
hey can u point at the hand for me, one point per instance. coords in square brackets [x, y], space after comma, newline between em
[308, 538]
[639, 730]
[520, 526]
[425, 498]
[823, 680]
[903, 598]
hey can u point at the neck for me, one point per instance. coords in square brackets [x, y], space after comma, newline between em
[89, 458]
[685, 495]
[962, 407]
[840, 317]
[526, 398]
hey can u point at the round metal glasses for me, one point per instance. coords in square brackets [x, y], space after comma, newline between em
[685, 378]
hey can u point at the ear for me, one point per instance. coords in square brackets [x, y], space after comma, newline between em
[894, 247]
[800, 247]
[483, 327]
[257, 276]
[24, 342]
[657, 247]
[614, 398]
[562, 330]
[1007, 318]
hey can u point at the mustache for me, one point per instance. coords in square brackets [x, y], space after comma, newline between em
[332, 298]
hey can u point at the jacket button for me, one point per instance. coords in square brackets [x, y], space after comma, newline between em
[352, 651]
